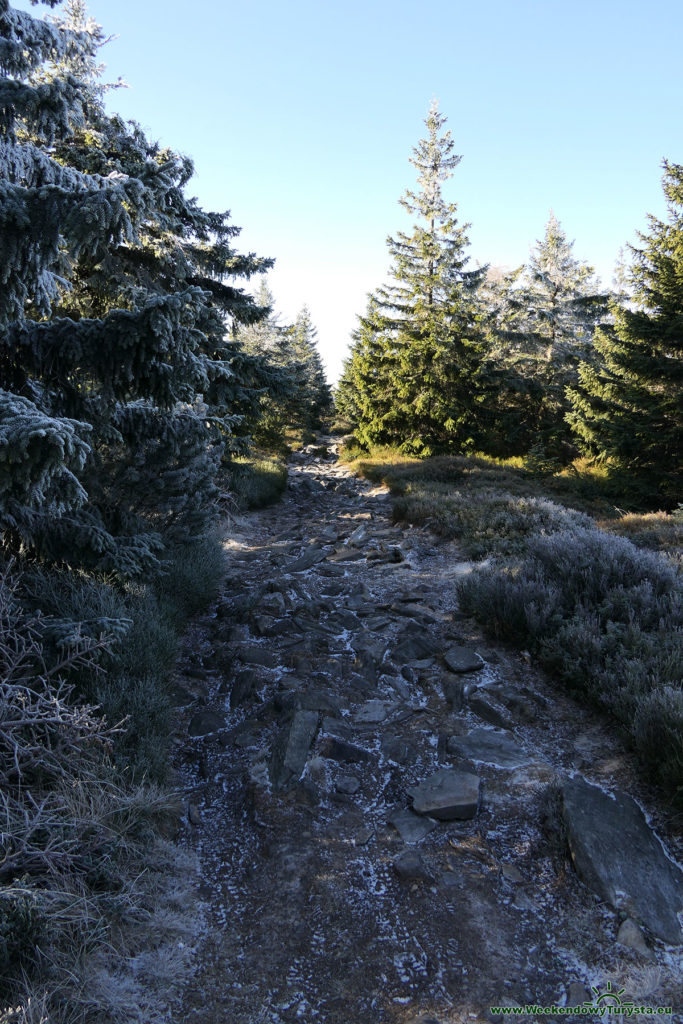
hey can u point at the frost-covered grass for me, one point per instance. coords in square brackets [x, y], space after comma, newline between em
[89, 889]
[258, 482]
[145, 622]
[96, 909]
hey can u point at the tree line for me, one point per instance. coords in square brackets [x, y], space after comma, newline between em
[538, 362]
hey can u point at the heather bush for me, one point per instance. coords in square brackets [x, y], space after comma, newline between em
[486, 521]
[605, 617]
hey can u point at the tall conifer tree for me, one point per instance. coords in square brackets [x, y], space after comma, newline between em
[418, 349]
[118, 308]
[629, 407]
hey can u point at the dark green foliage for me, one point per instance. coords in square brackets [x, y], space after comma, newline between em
[129, 381]
[298, 396]
[606, 619]
[629, 407]
[411, 378]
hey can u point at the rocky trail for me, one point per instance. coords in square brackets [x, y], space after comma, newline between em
[382, 803]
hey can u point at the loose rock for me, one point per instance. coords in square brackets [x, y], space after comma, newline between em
[447, 795]
[489, 747]
[463, 659]
[291, 749]
[616, 853]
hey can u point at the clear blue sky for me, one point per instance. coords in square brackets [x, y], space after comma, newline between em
[300, 116]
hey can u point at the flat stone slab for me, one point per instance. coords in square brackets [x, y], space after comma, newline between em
[256, 655]
[489, 747]
[410, 826]
[306, 561]
[447, 795]
[205, 722]
[618, 856]
[414, 648]
[371, 713]
[291, 749]
[488, 711]
[339, 750]
[463, 659]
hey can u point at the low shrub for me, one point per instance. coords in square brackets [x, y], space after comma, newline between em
[257, 483]
[82, 862]
[606, 618]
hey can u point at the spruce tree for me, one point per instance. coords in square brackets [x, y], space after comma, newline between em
[298, 395]
[316, 392]
[119, 309]
[541, 320]
[417, 351]
[629, 407]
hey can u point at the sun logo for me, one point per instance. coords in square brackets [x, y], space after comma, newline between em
[609, 997]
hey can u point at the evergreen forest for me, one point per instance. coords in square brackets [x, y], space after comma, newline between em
[150, 391]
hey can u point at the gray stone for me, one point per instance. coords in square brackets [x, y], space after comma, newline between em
[400, 686]
[243, 687]
[291, 749]
[376, 623]
[578, 994]
[346, 555]
[488, 711]
[205, 722]
[371, 713]
[420, 612]
[410, 826]
[616, 853]
[252, 654]
[397, 749]
[348, 784]
[358, 537]
[489, 747]
[463, 659]
[331, 571]
[273, 604]
[344, 620]
[413, 648]
[409, 866]
[447, 795]
[370, 648]
[630, 935]
[317, 700]
[512, 873]
[306, 561]
[359, 600]
[194, 815]
[336, 726]
[365, 683]
[339, 750]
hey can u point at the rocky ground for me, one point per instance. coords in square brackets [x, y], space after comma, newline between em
[383, 805]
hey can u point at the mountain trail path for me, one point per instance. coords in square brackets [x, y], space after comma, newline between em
[382, 803]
